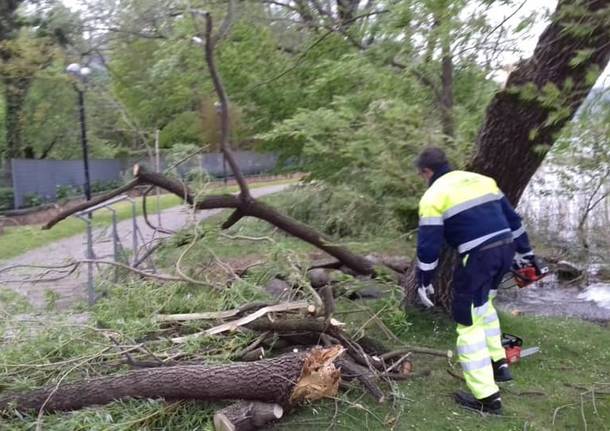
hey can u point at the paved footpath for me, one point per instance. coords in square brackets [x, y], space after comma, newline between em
[73, 289]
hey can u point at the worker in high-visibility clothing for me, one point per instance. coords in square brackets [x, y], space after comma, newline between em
[469, 212]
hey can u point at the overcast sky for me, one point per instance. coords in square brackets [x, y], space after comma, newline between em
[527, 43]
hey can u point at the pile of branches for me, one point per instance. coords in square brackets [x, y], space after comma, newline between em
[300, 353]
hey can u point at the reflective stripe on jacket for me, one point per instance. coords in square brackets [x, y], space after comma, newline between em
[466, 210]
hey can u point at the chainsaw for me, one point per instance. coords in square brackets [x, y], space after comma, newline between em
[513, 346]
[523, 276]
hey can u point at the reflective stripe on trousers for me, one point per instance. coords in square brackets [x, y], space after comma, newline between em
[493, 333]
[474, 354]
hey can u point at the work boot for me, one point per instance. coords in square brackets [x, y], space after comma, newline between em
[501, 371]
[491, 404]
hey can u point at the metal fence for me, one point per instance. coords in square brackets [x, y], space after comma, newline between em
[42, 178]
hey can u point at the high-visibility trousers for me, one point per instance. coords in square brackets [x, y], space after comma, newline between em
[474, 352]
[493, 333]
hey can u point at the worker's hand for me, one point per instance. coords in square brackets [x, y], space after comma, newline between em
[423, 292]
[522, 260]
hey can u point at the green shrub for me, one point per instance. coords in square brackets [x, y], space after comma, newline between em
[105, 185]
[64, 191]
[32, 200]
[6, 198]
[340, 211]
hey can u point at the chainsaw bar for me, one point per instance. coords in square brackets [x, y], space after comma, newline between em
[510, 279]
[529, 351]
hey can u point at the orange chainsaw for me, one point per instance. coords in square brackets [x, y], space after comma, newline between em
[513, 346]
[524, 276]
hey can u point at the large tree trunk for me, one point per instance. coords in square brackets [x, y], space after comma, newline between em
[15, 91]
[520, 129]
[8, 20]
[446, 100]
[515, 136]
[14, 88]
[284, 380]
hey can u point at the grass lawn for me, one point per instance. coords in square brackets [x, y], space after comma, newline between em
[18, 240]
[551, 391]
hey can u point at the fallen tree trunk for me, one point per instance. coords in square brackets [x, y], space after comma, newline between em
[285, 380]
[247, 208]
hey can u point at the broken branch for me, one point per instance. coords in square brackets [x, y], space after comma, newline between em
[233, 325]
[251, 208]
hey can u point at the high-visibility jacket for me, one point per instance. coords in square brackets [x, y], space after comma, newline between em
[468, 211]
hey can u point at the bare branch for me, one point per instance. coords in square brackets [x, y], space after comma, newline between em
[88, 204]
[226, 24]
[224, 109]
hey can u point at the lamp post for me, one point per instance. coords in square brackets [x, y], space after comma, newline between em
[81, 73]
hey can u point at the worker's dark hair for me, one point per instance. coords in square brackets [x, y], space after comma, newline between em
[432, 158]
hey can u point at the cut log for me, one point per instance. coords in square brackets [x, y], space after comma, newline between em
[285, 380]
[246, 416]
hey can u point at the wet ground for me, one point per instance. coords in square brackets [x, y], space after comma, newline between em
[552, 298]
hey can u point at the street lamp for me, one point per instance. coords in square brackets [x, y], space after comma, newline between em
[81, 73]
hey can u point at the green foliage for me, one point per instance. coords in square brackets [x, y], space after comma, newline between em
[65, 191]
[32, 200]
[340, 211]
[584, 149]
[105, 185]
[7, 198]
[183, 129]
[581, 56]
[369, 132]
